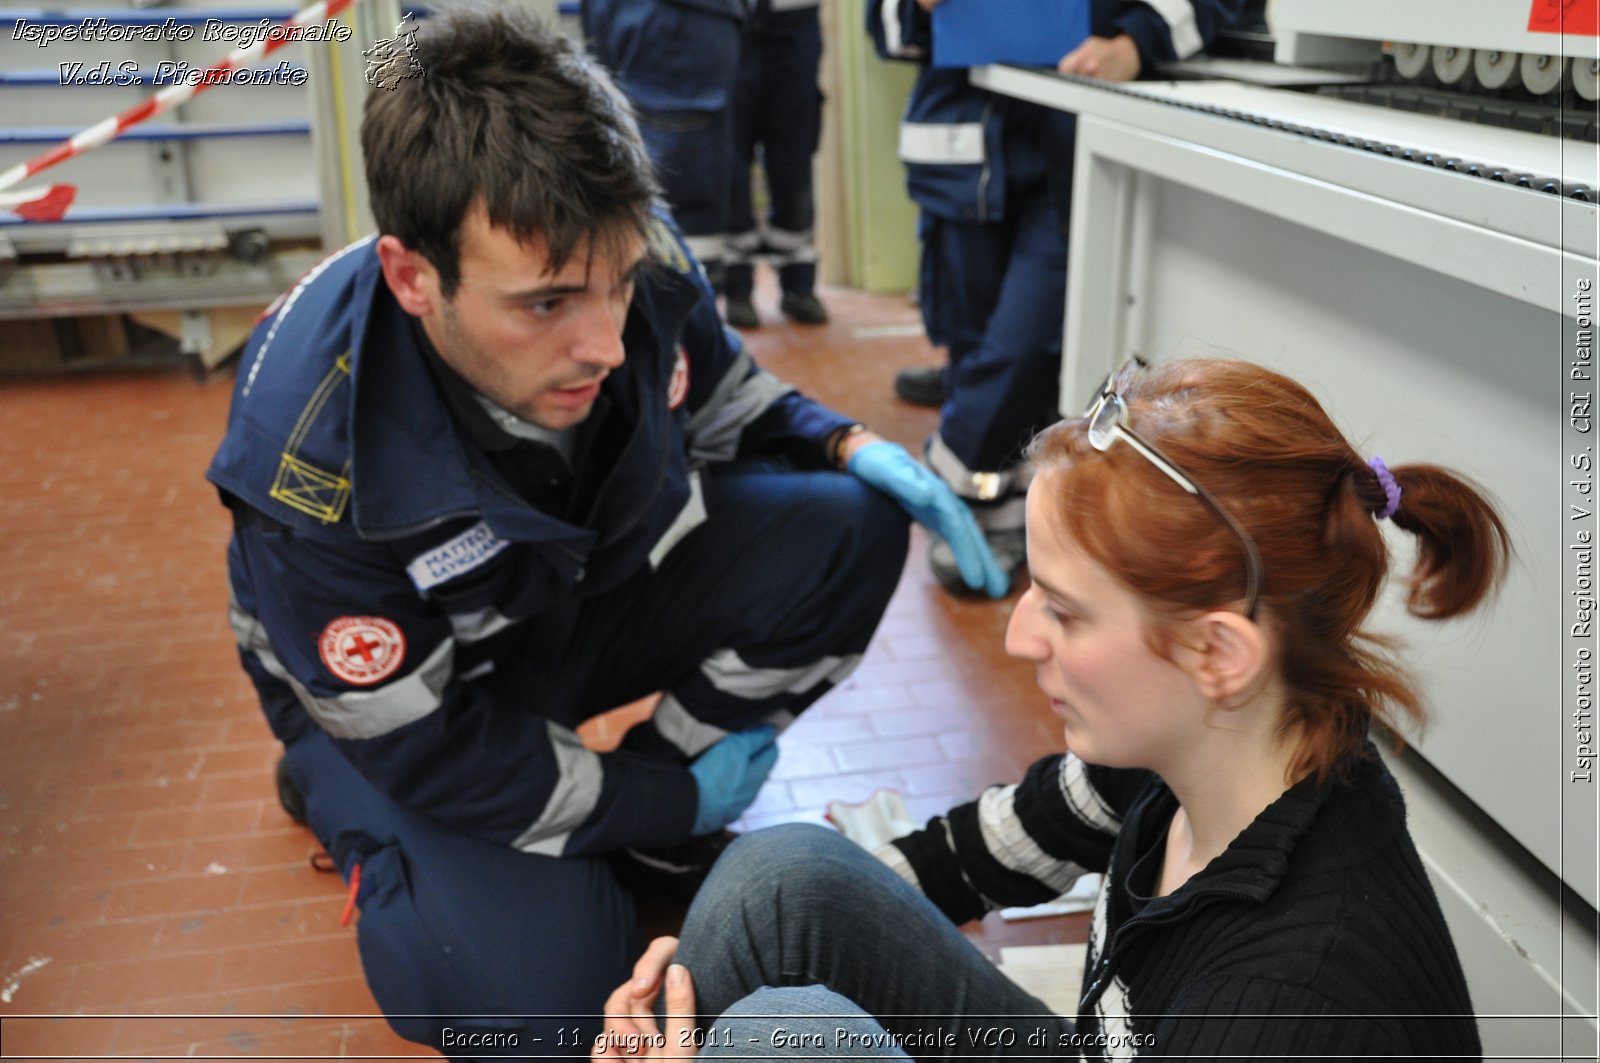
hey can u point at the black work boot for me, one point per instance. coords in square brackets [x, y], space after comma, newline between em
[741, 312]
[289, 795]
[923, 386]
[803, 308]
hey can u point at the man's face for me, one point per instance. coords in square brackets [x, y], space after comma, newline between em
[537, 343]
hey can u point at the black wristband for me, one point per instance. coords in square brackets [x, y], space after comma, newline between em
[836, 452]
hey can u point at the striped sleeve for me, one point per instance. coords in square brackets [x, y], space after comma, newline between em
[1020, 844]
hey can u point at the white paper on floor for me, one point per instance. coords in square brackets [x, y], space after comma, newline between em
[1053, 973]
[878, 820]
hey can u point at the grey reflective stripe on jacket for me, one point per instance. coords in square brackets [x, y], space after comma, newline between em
[355, 713]
[479, 624]
[674, 723]
[894, 31]
[690, 517]
[942, 143]
[740, 397]
[730, 674]
[1181, 25]
[578, 781]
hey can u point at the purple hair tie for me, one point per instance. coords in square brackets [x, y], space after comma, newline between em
[1391, 489]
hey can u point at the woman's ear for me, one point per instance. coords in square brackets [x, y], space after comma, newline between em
[1226, 655]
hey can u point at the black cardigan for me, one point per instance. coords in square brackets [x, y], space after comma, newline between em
[1315, 934]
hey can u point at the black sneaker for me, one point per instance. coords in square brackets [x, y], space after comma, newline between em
[674, 872]
[741, 313]
[289, 795]
[803, 308]
[921, 387]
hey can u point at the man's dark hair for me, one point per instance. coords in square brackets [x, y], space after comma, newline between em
[510, 112]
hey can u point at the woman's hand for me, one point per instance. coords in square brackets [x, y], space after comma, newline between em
[631, 1031]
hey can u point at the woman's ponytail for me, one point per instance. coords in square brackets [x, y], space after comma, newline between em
[1463, 547]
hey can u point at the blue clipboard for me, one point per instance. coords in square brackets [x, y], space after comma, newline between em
[1024, 32]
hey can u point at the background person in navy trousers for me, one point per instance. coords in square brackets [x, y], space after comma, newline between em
[499, 468]
[778, 115]
[992, 177]
[678, 62]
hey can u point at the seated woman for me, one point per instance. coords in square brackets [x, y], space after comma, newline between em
[1262, 897]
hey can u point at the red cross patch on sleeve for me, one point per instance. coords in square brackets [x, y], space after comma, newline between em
[362, 650]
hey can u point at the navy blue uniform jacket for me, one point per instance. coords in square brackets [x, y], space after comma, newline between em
[389, 586]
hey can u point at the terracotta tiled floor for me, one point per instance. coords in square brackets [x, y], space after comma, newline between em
[147, 874]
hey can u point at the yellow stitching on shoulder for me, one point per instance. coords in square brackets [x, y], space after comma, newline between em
[665, 247]
[319, 398]
[311, 490]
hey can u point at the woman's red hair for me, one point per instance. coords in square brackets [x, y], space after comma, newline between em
[1268, 452]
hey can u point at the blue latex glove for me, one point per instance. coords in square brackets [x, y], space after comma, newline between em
[730, 774]
[933, 505]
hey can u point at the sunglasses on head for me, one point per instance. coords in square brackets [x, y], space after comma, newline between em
[1107, 419]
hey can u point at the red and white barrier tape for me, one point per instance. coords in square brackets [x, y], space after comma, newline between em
[49, 204]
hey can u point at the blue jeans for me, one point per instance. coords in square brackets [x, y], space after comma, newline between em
[808, 1021]
[800, 905]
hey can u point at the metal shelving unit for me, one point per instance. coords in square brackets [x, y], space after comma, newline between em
[220, 204]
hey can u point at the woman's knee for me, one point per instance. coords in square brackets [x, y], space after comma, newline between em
[797, 1022]
[790, 854]
[778, 869]
[799, 1001]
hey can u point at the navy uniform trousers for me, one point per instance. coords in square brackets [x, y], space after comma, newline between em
[994, 294]
[678, 63]
[478, 949]
[779, 110]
